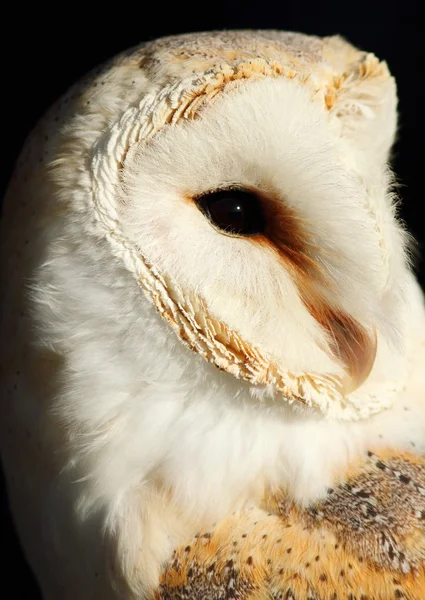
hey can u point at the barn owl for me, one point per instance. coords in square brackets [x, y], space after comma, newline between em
[213, 342]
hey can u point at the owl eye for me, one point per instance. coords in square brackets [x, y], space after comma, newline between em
[234, 211]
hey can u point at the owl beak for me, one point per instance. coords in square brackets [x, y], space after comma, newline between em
[356, 348]
[349, 342]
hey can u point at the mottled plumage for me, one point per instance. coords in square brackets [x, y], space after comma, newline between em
[364, 540]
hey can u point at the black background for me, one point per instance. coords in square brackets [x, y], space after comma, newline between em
[45, 49]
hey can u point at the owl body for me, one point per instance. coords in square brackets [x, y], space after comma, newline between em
[166, 377]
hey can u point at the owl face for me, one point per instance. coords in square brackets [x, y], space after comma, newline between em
[258, 212]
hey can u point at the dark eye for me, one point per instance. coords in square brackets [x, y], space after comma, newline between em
[234, 211]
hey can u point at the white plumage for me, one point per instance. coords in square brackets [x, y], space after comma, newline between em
[119, 441]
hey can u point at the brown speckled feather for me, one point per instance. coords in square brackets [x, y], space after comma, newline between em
[364, 541]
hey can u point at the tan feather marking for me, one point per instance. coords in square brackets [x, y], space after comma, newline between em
[342, 84]
[324, 552]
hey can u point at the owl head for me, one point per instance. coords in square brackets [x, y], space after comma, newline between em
[242, 179]
[249, 193]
